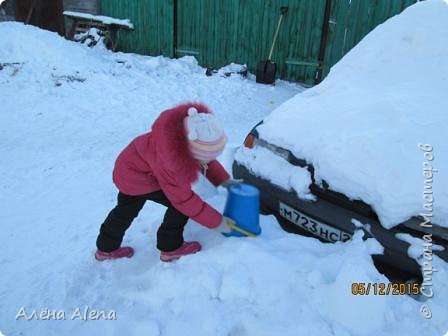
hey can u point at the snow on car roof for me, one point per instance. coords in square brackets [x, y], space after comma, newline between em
[362, 125]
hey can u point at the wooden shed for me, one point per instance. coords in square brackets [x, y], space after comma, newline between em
[41, 13]
[83, 6]
[46, 14]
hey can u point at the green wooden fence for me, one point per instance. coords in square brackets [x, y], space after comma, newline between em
[351, 20]
[218, 32]
[153, 22]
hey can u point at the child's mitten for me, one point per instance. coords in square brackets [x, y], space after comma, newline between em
[224, 226]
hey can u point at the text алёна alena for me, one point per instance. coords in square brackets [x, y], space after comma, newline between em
[83, 314]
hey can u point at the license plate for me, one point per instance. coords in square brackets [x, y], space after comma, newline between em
[309, 224]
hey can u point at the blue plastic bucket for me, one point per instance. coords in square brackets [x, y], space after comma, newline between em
[243, 206]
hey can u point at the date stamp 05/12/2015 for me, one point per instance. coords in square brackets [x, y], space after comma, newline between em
[383, 288]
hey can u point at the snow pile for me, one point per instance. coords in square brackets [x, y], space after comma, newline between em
[66, 112]
[361, 127]
[415, 250]
[276, 169]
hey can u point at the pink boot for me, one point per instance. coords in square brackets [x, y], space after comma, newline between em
[185, 249]
[120, 252]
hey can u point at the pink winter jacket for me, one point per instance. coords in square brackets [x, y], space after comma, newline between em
[161, 160]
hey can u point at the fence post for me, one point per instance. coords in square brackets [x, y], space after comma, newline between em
[323, 42]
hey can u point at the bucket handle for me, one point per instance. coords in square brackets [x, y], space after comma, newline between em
[240, 230]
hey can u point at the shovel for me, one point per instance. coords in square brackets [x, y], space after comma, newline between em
[266, 69]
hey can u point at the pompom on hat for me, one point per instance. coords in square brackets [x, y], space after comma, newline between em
[206, 137]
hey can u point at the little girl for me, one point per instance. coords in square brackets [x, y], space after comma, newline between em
[160, 166]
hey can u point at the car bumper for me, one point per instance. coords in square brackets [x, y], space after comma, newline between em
[395, 250]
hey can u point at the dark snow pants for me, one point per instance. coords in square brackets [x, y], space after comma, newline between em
[169, 234]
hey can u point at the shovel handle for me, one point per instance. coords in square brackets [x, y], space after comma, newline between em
[240, 230]
[283, 10]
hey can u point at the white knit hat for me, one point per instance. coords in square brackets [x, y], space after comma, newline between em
[206, 136]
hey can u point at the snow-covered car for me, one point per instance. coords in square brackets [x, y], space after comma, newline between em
[367, 147]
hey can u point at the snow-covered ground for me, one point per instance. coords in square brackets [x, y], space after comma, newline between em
[65, 113]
